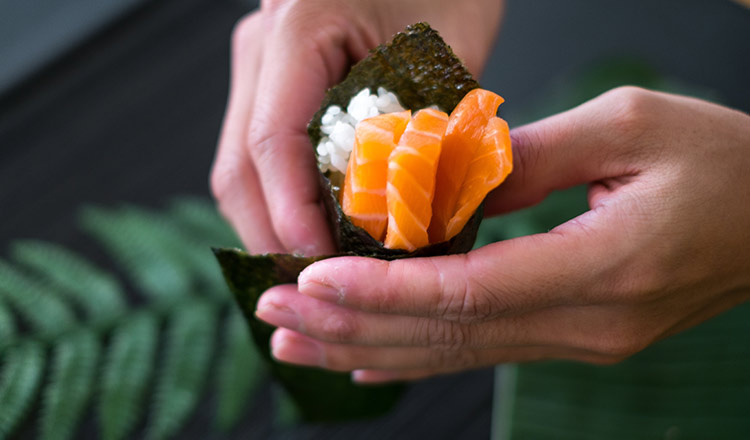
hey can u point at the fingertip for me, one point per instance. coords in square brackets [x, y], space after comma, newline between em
[340, 280]
[374, 377]
[319, 281]
[305, 231]
[295, 348]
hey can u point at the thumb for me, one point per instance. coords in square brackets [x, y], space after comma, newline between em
[592, 142]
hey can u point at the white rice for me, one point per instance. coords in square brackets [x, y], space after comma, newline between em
[337, 126]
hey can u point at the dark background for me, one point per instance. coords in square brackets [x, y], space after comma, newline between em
[126, 105]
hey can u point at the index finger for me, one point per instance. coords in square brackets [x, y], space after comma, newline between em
[299, 64]
[570, 265]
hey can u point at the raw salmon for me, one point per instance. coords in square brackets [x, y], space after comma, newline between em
[463, 136]
[415, 181]
[411, 180]
[363, 196]
[492, 162]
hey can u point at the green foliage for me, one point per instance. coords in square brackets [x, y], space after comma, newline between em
[190, 338]
[21, 376]
[126, 373]
[75, 357]
[7, 325]
[239, 371]
[103, 348]
[39, 304]
[74, 277]
[203, 219]
[141, 242]
[287, 412]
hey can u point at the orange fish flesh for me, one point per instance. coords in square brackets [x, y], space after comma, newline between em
[416, 180]
[411, 180]
[363, 196]
[462, 137]
[492, 162]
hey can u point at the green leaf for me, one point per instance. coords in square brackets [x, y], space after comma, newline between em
[203, 218]
[67, 392]
[39, 304]
[194, 249]
[21, 376]
[127, 371]
[7, 326]
[95, 290]
[240, 371]
[286, 411]
[137, 242]
[694, 385]
[189, 345]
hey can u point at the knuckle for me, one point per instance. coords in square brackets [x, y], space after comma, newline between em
[454, 359]
[464, 299]
[261, 144]
[637, 283]
[631, 111]
[272, 5]
[340, 328]
[223, 180]
[246, 31]
[618, 345]
[527, 148]
[445, 335]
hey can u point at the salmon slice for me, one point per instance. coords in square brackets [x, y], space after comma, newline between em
[363, 195]
[492, 163]
[463, 136]
[411, 180]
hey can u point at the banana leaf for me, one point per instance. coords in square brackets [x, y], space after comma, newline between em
[695, 385]
[422, 70]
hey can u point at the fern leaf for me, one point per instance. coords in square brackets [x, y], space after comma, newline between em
[186, 246]
[240, 370]
[287, 413]
[38, 303]
[126, 373]
[7, 326]
[96, 291]
[71, 381]
[189, 344]
[24, 367]
[137, 244]
[201, 216]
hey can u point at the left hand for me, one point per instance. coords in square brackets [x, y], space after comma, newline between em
[665, 245]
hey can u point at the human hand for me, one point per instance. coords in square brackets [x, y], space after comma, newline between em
[284, 57]
[665, 245]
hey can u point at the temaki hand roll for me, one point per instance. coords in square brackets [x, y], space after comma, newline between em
[408, 147]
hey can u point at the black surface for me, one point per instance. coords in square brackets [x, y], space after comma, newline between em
[134, 114]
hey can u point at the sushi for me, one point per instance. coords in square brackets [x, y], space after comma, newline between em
[399, 92]
[415, 71]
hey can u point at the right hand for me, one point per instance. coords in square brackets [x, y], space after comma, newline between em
[284, 57]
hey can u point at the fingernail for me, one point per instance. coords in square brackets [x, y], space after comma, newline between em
[278, 315]
[320, 290]
[296, 349]
[373, 376]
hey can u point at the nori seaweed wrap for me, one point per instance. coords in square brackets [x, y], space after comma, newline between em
[422, 70]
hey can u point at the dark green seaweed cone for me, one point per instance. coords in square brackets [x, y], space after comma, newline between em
[421, 70]
[320, 395]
